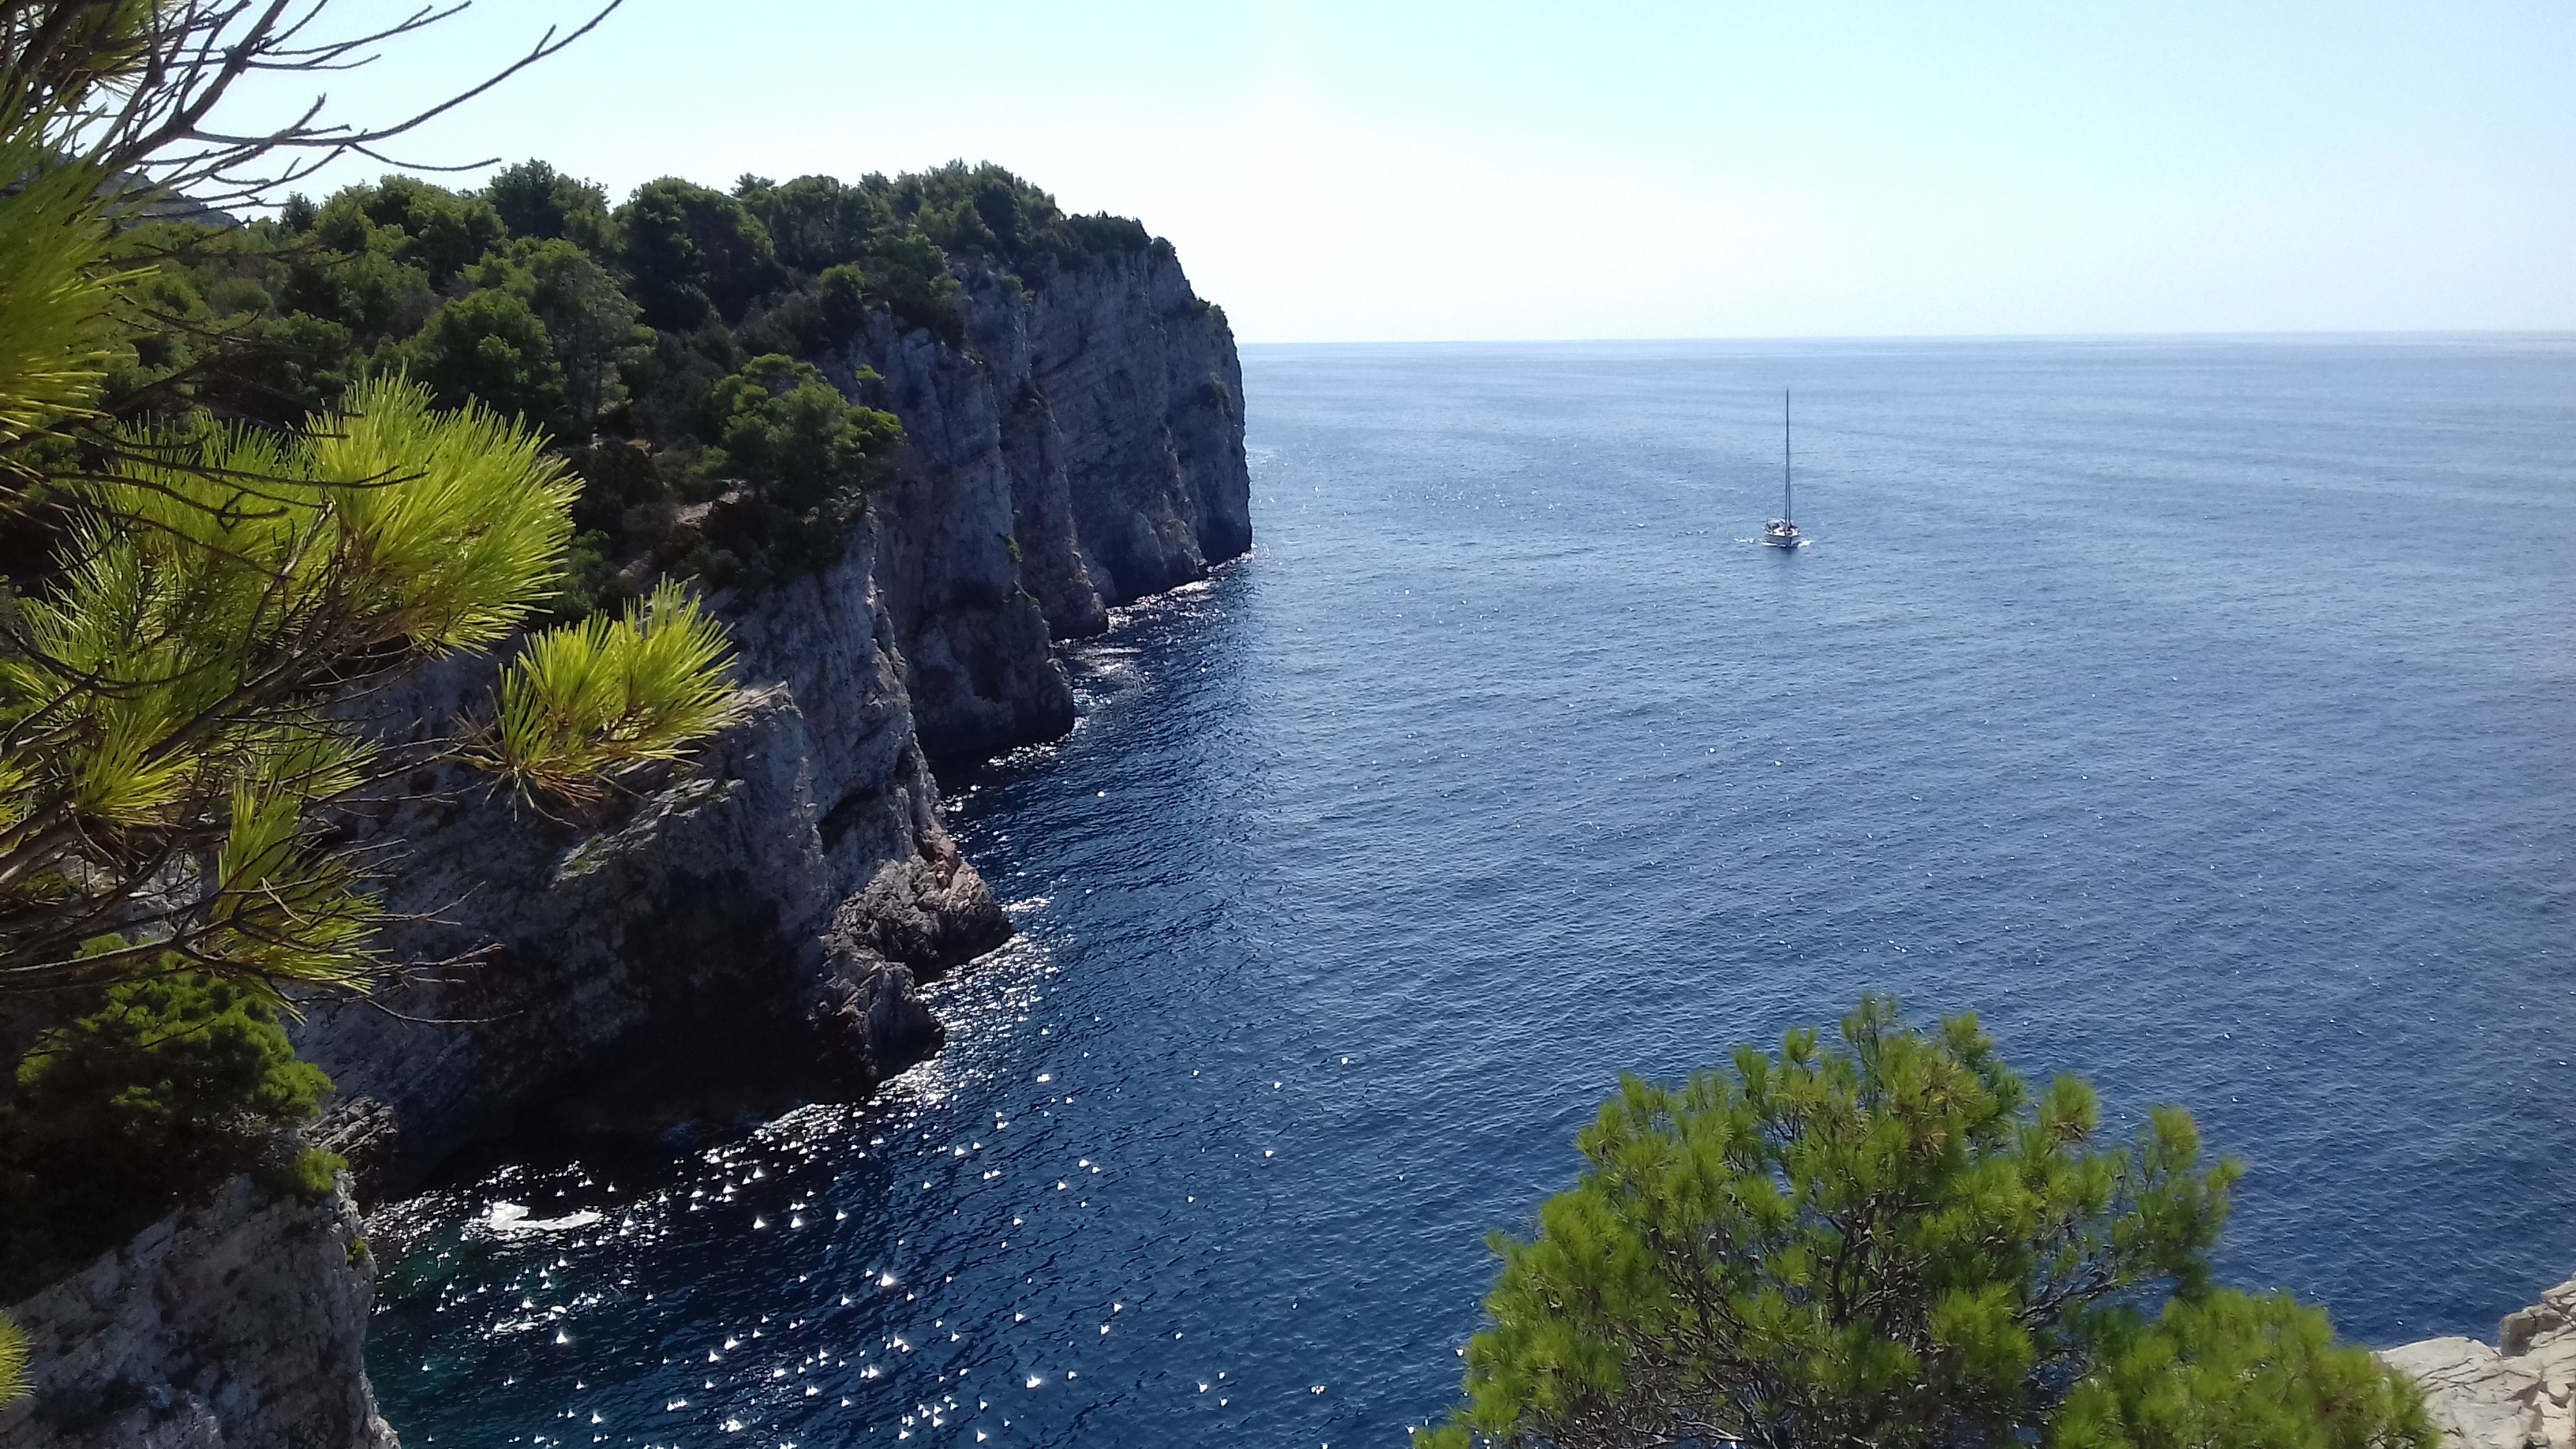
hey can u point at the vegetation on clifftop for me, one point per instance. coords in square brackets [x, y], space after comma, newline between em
[680, 351]
[174, 1084]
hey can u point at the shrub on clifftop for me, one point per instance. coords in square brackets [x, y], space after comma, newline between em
[1893, 1241]
[171, 1086]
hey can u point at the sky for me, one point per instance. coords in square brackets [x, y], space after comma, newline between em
[1396, 171]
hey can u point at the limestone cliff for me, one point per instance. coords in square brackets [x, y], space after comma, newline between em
[235, 1325]
[2519, 1394]
[697, 928]
[1082, 450]
[753, 928]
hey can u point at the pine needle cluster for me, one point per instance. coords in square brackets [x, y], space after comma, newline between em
[167, 750]
[13, 1363]
[593, 697]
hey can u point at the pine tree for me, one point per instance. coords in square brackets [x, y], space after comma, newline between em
[1892, 1240]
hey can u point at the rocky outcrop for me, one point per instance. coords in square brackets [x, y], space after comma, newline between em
[685, 954]
[235, 1325]
[751, 931]
[2518, 1394]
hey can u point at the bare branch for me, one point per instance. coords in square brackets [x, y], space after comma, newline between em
[140, 94]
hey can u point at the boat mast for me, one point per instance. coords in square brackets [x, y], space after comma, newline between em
[1788, 514]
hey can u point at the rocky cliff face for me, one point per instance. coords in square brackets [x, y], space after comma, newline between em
[235, 1325]
[2519, 1394]
[753, 928]
[679, 940]
[1083, 449]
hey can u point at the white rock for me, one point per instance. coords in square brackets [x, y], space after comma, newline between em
[2483, 1398]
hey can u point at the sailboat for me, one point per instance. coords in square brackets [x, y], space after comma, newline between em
[1782, 532]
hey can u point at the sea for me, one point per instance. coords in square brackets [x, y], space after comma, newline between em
[2199, 713]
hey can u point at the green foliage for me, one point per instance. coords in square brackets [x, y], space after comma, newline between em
[590, 323]
[985, 209]
[816, 223]
[14, 1384]
[175, 1083]
[789, 467]
[310, 1176]
[166, 691]
[910, 274]
[228, 511]
[612, 332]
[1891, 1240]
[417, 224]
[436, 529]
[2235, 1371]
[489, 347]
[220, 342]
[693, 254]
[352, 273]
[841, 296]
[536, 201]
[780, 425]
[173, 1069]
[640, 690]
[56, 341]
[858, 249]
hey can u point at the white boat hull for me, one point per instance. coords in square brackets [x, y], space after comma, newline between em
[1780, 534]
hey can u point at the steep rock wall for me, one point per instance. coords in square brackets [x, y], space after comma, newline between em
[695, 938]
[750, 927]
[235, 1325]
[1083, 449]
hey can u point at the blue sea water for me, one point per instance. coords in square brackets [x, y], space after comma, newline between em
[2196, 712]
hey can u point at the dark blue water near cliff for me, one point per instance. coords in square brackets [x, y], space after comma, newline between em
[2199, 713]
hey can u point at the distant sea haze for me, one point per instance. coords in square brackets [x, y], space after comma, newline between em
[2196, 712]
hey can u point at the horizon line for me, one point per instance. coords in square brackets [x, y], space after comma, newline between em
[2425, 334]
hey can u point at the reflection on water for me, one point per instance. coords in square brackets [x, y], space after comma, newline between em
[2194, 712]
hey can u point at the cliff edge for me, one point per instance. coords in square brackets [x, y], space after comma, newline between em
[733, 936]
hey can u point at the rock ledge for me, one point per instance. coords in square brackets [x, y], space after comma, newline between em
[2516, 1395]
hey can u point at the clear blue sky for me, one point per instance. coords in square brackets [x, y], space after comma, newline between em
[1395, 170]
